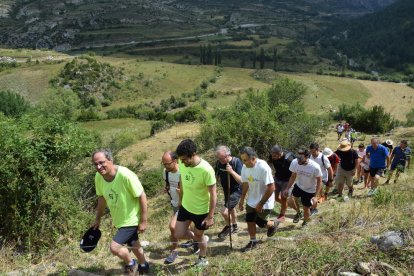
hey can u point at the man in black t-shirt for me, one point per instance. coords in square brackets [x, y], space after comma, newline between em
[226, 166]
[281, 161]
[346, 169]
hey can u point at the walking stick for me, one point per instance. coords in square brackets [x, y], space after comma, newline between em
[228, 206]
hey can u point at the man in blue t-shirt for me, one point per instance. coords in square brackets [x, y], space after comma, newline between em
[400, 158]
[229, 168]
[380, 160]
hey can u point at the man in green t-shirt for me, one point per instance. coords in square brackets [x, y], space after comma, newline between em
[120, 190]
[198, 197]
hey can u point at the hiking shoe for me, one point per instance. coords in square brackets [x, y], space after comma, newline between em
[272, 230]
[201, 262]
[298, 217]
[387, 182]
[334, 191]
[372, 192]
[196, 248]
[143, 269]
[225, 232]
[346, 198]
[131, 269]
[187, 244]
[235, 229]
[350, 192]
[305, 223]
[250, 246]
[171, 258]
[281, 218]
[314, 211]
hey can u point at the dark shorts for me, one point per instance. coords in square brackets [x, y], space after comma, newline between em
[259, 218]
[280, 186]
[366, 171]
[305, 197]
[399, 166]
[376, 171]
[184, 215]
[234, 199]
[126, 235]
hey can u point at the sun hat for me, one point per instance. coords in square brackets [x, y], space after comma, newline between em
[389, 142]
[90, 239]
[327, 152]
[344, 146]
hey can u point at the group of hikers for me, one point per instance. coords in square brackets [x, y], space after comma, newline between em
[350, 133]
[300, 181]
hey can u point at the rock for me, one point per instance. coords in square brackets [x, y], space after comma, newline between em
[75, 272]
[349, 274]
[363, 268]
[388, 241]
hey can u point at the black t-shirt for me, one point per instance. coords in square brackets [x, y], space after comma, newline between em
[348, 159]
[281, 166]
[390, 147]
[221, 172]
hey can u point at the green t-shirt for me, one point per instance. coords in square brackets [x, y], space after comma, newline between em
[121, 196]
[195, 182]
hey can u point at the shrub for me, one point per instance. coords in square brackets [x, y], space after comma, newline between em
[410, 118]
[45, 180]
[152, 181]
[12, 104]
[262, 119]
[190, 114]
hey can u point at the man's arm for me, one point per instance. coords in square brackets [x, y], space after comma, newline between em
[245, 188]
[388, 161]
[208, 221]
[269, 192]
[234, 174]
[100, 209]
[318, 184]
[144, 212]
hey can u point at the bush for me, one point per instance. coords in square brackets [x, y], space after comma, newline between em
[373, 120]
[45, 180]
[190, 114]
[12, 104]
[152, 181]
[261, 120]
[410, 118]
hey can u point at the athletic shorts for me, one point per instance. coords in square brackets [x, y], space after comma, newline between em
[400, 167]
[184, 215]
[126, 235]
[280, 186]
[343, 176]
[234, 199]
[305, 197]
[376, 171]
[259, 218]
[366, 171]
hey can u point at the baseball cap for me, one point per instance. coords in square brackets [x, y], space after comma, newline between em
[90, 239]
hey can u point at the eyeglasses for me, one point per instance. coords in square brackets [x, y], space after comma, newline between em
[99, 163]
[167, 164]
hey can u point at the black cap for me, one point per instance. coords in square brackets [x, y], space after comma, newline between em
[90, 239]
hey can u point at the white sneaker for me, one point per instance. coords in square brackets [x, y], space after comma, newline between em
[346, 198]
[201, 262]
[372, 192]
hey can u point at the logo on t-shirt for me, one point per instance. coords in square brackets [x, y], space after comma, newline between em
[189, 177]
[113, 197]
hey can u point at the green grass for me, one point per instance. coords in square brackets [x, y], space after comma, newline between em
[26, 53]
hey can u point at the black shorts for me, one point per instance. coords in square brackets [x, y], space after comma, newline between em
[366, 171]
[126, 235]
[234, 199]
[376, 171]
[399, 166]
[305, 197]
[260, 219]
[184, 215]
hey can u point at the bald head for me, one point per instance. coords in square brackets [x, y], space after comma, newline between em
[169, 161]
[375, 142]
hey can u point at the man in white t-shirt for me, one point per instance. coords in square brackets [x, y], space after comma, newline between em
[361, 154]
[308, 177]
[258, 182]
[171, 176]
[327, 172]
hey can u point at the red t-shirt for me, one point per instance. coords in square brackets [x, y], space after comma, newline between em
[334, 160]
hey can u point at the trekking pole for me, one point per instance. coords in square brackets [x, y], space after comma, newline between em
[228, 206]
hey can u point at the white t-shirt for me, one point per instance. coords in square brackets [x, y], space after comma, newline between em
[306, 175]
[258, 178]
[325, 168]
[361, 154]
[174, 179]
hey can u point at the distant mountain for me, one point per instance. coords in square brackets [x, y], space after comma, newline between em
[62, 24]
[385, 38]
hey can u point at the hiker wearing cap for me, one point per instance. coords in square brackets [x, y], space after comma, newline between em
[326, 168]
[388, 144]
[229, 168]
[334, 160]
[379, 160]
[361, 153]
[308, 177]
[400, 159]
[281, 161]
[258, 182]
[347, 168]
[198, 198]
[120, 190]
[171, 176]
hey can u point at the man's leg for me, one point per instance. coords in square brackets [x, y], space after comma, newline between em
[182, 230]
[202, 243]
[225, 215]
[174, 241]
[121, 252]
[283, 205]
[306, 213]
[138, 252]
[233, 216]
[390, 173]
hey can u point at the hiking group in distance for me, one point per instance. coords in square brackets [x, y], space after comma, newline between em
[301, 180]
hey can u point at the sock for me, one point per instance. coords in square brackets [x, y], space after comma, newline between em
[253, 239]
[201, 257]
[143, 265]
[234, 225]
[132, 262]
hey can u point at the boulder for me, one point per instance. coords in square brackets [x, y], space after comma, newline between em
[363, 268]
[388, 241]
[76, 272]
[349, 274]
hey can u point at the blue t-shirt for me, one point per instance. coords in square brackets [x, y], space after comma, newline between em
[400, 155]
[377, 156]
